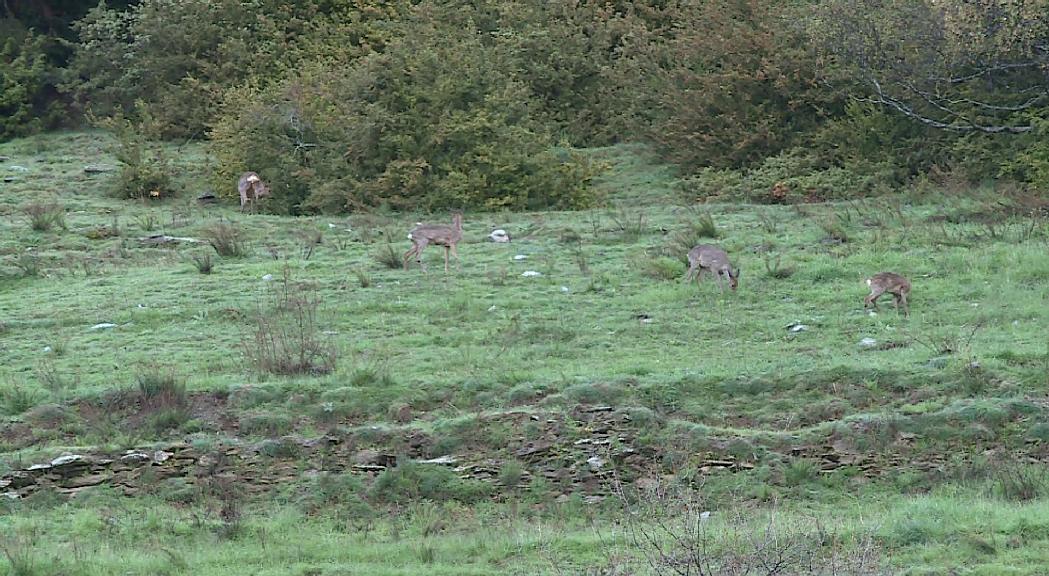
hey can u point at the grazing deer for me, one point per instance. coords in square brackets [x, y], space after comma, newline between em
[892, 283]
[713, 259]
[251, 189]
[439, 235]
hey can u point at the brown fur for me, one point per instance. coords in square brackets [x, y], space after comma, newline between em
[892, 283]
[712, 259]
[251, 188]
[439, 235]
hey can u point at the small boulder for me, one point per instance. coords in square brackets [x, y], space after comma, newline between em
[499, 235]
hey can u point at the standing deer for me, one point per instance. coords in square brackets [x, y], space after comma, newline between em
[712, 259]
[439, 235]
[251, 188]
[892, 283]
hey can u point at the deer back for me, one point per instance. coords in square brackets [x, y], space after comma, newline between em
[439, 233]
[889, 282]
[709, 257]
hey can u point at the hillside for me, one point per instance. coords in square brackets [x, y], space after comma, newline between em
[525, 392]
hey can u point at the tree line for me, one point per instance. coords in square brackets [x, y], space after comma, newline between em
[350, 104]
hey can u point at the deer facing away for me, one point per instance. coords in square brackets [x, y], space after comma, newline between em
[251, 188]
[439, 235]
[712, 259]
[892, 283]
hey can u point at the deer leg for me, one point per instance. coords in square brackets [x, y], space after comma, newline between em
[455, 252]
[901, 303]
[690, 274]
[872, 300]
[407, 256]
[446, 250]
[419, 258]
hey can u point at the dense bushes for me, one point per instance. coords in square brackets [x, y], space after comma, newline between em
[28, 77]
[345, 104]
[437, 120]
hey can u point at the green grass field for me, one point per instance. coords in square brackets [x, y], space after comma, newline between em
[937, 421]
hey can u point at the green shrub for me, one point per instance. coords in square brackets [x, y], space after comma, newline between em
[511, 473]
[279, 448]
[145, 170]
[435, 121]
[169, 419]
[157, 382]
[227, 241]
[265, 424]
[16, 399]
[173, 59]
[1039, 431]
[44, 216]
[661, 267]
[27, 82]
[388, 256]
[409, 481]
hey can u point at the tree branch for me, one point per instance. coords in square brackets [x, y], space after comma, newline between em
[967, 126]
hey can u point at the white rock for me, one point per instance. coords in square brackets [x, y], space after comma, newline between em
[63, 460]
[103, 326]
[445, 460]
[868, 342]
[47, 349]
[491, 308]
[595, 462]
[267, 277]
[530, 274]
[564, 289]
[330, 225]
[499, 235]
[18, 168]
[520, 257]
[704, 515]
[797, 327]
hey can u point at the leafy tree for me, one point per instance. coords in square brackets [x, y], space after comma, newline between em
[725, 84]
[27, 83]
[436, 120]
[957, 65]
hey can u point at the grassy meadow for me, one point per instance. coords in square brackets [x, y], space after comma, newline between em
[938, 419]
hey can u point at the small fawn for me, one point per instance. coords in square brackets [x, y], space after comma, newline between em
[251, 188]
[712, 259]
[892, 283]
[439, 235]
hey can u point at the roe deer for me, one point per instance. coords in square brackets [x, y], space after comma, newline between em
[713, 259]
[439, 235]
[251, 188]
[892, 283]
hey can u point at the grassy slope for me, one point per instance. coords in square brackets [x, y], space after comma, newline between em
[452, 345]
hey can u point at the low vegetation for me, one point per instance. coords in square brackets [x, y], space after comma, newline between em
[526, 416]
